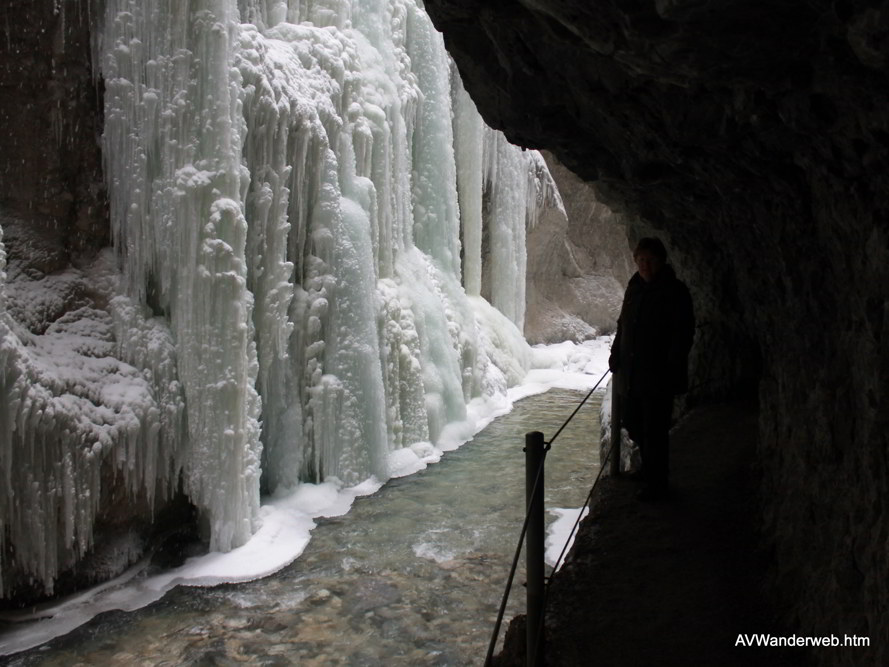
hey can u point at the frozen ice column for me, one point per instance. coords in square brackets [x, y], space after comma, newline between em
[172, 144]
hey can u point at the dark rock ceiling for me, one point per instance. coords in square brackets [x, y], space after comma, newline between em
[753, 136]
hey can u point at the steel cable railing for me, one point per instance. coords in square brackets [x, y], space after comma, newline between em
[586, 503]
[539, 631]
[537, 480]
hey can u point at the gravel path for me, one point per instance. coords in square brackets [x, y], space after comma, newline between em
[674, 582]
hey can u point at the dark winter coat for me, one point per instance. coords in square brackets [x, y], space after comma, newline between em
[654, 335]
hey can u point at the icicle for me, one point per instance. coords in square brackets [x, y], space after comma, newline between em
[507, 184]
[177, 209]
[468, 145]
[434, 170]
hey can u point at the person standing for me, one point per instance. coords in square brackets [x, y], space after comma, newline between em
[649, 359]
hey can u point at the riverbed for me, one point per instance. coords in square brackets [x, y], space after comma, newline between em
[412, 575]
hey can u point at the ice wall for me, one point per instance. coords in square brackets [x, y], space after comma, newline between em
[299, 192]
[73, 417]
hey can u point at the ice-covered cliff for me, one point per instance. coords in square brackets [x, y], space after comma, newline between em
[301, 197]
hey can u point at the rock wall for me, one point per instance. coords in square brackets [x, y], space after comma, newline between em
[50, 163]
[579, 263]
[753, 138]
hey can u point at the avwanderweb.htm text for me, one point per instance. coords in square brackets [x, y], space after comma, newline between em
[801, 640]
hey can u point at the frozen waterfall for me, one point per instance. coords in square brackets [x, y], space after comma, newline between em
[306, 211]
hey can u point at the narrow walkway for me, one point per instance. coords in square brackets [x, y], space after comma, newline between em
[672, 583]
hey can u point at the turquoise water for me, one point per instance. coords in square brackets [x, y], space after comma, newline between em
[412, 575]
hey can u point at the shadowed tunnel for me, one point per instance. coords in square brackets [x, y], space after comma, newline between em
[753, 137]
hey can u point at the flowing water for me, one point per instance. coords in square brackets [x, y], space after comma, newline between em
[412, 575]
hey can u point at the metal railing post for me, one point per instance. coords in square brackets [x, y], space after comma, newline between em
[533, 536]
[534, 546]
[615, 429]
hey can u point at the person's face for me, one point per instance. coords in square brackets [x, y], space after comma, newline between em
[648, 264]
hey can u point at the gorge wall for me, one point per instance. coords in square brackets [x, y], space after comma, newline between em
[579, 262]
[752, 137]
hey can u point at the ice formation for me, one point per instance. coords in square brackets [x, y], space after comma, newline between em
[306, 211]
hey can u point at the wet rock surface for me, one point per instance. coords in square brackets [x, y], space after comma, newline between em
[752, 137]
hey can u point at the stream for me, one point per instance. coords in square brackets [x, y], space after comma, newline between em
[412, 575]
